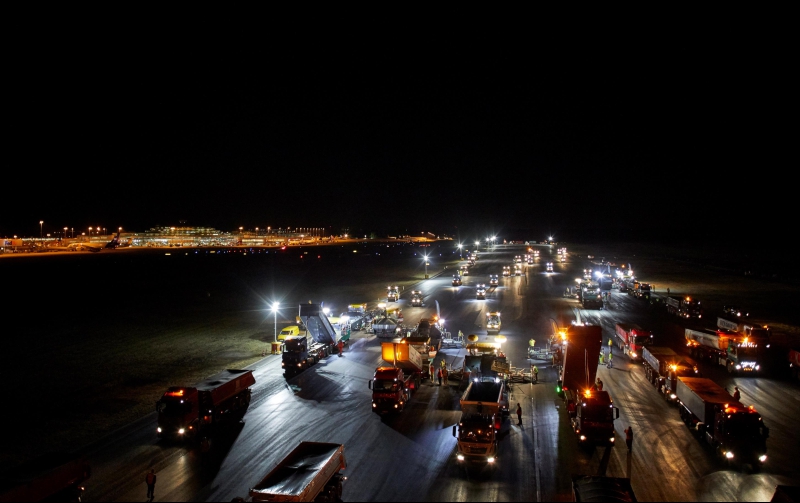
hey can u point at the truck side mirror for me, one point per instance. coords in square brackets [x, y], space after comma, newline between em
[369, 383]
[765, 432]
[454, 430]
[616, 412]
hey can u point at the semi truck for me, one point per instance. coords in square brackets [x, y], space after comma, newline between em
[737, 352]
[591, 412]
[311, 472]
[736, 433]
[746, 327]
[632, 339]
[684, 307]
[188, 412]
[663, 366]
[393, 385]
[319, 341]
[481, 418]
[57, 476]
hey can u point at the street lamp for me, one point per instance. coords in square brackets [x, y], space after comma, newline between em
[65, 232]
[41, 232]
[426, 267]
[459, 251]
[476, 245]
[275, 313]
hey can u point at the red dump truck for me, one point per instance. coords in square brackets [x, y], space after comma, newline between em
[632, 339]
[393, 385]
[591, 412]
[185, 412]
[737, 433]
[311, 472]
[51, 477]
[481, 418]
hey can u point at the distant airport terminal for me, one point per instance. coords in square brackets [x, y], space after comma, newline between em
[160, 237]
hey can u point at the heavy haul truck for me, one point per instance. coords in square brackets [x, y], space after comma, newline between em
[187, 412]
[393, 385]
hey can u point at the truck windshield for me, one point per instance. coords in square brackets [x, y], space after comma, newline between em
[478, 429]
[384, 385]
[173, 407]
[743, 425]
[597, 413]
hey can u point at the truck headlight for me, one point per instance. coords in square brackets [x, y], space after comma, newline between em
[673, 396]
[762, 458]
[181, 431]
[158, 429]
[460, 457]
[611, 440]
[758, 367]
[374, 405]
[738, 367]
[490, 460]
[633, 354]
[729, 455]
[583, 438]
[299, 364]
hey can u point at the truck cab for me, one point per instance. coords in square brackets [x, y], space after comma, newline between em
[456, 280]
[642, 291]
[298, 356]
[480, 292]
[392, 294]
[493, 321]
[493, 281]
[549, 267]
[416, 298]
[391, 389]
[178, 413]
[593, 419]
[506, 271]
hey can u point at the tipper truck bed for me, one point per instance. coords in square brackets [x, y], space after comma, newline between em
[310, 471]
[392, 385]
[481, 419]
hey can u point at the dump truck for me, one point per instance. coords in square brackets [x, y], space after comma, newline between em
[188, 412]
[587, 488]
[493, 323]
[591, 412]
[392, 294]
[591, 296]
[393, 385]
[480, 422]
[684, 307]
[311, 472]
[745, 327]
[737, 433]
[318, 342]
[57, 476]
[737, 352]
[663, 366]
[416, 298]
[631, 339]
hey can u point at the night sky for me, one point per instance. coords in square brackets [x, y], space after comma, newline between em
[668, 143]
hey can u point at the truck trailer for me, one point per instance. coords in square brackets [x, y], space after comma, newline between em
[393, 385]
[311, 472]
[632, 339]
[735, 432]
[662, 367]
[684, 307]
[591, 412]
[737, 352]
[187, 412]
[481, 418]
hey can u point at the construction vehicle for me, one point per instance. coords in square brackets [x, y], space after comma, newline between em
[456, 280]
[733, 350]
[642, 291]
[319, 341]
[549, 267]
[392, 294]
[493, 281]
[506, 271]
[591, 295]
[663, 366]
[416, 298]
[591, 412]
[493, 322]
[745, 327]
[631, 339]
[736, 433]
[311, 472]
[57, 476]
[794, 362]
[602, 488]
[392, 386]
[481, 418]
[480, 292]
[189, 412]
[684, 307]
